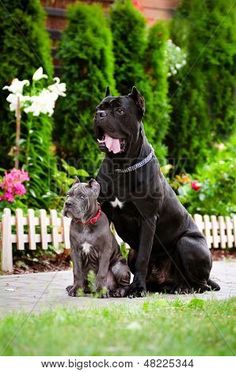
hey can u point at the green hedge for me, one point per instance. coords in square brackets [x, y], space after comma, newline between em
[203, 93]
[87, 68]
[25, 45]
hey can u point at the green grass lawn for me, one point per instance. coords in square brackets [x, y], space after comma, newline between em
[155, 327]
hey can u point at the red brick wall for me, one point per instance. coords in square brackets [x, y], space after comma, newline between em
[158, 9]
[152, 10]
[56, 14]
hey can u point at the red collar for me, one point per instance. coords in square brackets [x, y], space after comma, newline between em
[92, 220]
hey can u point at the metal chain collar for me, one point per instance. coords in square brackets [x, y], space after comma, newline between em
[137, 165]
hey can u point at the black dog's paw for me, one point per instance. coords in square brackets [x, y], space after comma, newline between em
[138, 287]
[180, 290]
[72, 290]
[136, 290]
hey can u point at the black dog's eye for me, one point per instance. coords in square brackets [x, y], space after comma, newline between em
[120, 111]
[82, 197]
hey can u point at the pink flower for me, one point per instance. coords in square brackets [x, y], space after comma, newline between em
[195, 185]
[12, 184]
[7, 196]
[19, 189]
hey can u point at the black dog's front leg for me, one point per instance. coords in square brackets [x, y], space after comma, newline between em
[77, 271]
[138, 287]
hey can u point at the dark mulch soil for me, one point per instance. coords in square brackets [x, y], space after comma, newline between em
[221, 254]
[53, 262]
[32, 263]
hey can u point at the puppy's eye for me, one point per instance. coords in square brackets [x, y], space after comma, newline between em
[120, 111]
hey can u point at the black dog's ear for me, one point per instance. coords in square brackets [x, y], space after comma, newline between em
[138, 99]
[107, 93]
[94, 186]
[77, 180]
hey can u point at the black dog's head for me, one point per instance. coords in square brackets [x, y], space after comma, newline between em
[81, 199]
[117, 121]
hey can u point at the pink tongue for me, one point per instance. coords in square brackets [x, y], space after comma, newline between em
[113, 144]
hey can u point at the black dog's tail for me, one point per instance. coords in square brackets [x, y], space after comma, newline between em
[214, 286]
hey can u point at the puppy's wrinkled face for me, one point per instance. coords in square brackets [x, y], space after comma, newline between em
[81, 199]
[117, 121]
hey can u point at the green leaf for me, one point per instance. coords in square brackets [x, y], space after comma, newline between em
[82, 173]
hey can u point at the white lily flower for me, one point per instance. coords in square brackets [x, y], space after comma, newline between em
[58, 87]
[44, 103]
[38, 75]
[16, 86]
[13, 100]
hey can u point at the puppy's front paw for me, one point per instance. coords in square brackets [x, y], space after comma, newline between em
[72, 290]
[102, 292]
[100, 286]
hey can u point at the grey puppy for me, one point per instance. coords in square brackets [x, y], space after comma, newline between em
[93, 246]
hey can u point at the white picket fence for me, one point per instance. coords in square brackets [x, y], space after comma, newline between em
[39, 229]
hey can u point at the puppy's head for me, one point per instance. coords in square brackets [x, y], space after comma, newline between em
[81, 199]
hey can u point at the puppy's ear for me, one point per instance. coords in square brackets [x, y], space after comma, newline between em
[107, 93]
[77, 180]
[94, 186]
[138, 99]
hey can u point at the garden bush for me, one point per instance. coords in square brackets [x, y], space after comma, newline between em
[211, 189]
[203, 92]
[25, 45]
[157, 69]
[87, 68]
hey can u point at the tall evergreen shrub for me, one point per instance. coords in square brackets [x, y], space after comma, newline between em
[157, 70]
[203, 93]
[128, 27]
[140, 59]
[24, 46]
[87, 68]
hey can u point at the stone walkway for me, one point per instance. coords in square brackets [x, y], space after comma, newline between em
[35, 292]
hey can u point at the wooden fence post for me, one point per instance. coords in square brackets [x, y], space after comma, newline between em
[54, 223]
[215, 232]
[207, 230]
[66, 231]
[199, 222]
[31, 232]
[223, 237]
[43, 228]
[20, 230]
[7, 254]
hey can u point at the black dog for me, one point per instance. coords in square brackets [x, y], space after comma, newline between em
[93, 246]
[168, 251]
